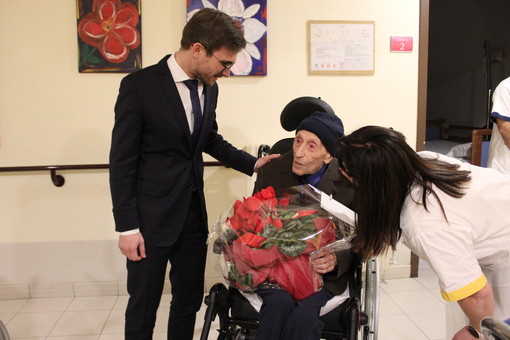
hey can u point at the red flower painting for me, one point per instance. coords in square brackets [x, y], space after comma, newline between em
[269, 240]
[111, 27]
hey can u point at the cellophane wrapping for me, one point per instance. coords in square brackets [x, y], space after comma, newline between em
[265, 241]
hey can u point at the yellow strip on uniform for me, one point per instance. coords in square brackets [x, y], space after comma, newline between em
[466, 291]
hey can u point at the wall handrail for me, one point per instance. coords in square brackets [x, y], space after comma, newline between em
[59, 180]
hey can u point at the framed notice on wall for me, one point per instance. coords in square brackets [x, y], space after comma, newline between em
[340, 47]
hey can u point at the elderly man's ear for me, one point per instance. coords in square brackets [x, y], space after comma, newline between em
[328, 158]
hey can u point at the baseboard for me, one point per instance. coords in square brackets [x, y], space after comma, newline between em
[69, 269]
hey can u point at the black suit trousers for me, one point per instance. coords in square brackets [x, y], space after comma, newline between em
[145, 282]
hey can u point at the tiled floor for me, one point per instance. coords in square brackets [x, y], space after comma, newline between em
[410, 309]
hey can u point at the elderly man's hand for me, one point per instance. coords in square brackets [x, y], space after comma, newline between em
[323, 262]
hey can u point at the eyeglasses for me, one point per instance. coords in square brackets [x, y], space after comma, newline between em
[226, 64]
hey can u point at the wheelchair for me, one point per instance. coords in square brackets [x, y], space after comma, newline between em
[493, 329]
[356, 317]
[4, 335]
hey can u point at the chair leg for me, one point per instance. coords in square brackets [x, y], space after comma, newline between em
[354, 319]
[211, 301]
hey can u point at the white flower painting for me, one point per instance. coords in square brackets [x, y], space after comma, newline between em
[252, 17]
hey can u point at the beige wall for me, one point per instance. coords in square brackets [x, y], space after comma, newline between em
[51, 114]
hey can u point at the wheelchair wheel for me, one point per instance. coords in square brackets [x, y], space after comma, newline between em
[236, 332]
[370, 299]
[244, 334]
[4, 335]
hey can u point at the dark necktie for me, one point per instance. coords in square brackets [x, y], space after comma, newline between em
[192, 85]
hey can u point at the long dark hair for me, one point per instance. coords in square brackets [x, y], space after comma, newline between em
[383, 168]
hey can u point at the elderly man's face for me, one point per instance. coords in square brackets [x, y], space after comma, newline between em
[309, 153]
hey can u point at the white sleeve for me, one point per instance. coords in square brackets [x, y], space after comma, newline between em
[501, 100]
[449, 251]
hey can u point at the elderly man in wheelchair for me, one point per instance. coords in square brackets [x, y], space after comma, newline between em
[310, 161]
[308, 158]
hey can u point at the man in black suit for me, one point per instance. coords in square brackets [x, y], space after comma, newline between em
[156, 171]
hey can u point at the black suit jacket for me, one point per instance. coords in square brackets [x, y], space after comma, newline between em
[153, 166]
[279, 175]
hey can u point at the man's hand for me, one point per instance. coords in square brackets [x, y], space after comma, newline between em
[265, 160]
[132, 246]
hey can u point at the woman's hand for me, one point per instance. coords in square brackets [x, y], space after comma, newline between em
[323, 262]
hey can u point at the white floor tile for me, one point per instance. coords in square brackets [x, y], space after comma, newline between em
[121, 302]
[159, 336]
[114, 323]
[32, 324]
[112, 337]
[426, 272]
[46, 305]
[417, 301]
[73, 337]
[400, 285]
[96, 289]
[409, 309]
[6, 317]
[162, 320]
[92, 303]
[429, 282]
[81, 323]
[399, 327]
[437, 294]
[11, 306]
[433, 324]
[387, 306]
[165, 301]
[213, 331]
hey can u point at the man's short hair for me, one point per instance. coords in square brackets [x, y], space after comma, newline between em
[214, 29]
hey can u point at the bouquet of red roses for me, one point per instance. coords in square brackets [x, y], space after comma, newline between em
[266, 241]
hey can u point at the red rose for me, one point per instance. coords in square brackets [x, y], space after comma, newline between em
[251, 239]
[253, 203]
[265, 194]
[284, 202]
[277, 223]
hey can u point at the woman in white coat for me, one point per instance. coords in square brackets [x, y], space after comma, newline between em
[453, 215]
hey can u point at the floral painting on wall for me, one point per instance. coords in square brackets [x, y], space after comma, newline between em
[109, 35]
[251, 15]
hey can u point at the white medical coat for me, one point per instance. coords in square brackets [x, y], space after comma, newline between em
[473, 245]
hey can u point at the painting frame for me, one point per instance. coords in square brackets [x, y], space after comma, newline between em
[109, 36]
[342, 47]
[251, 61]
